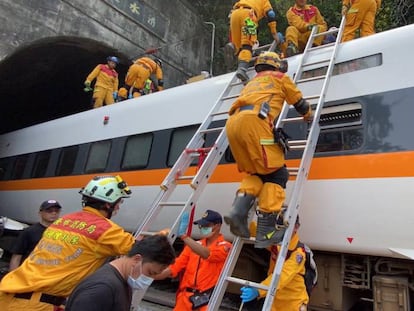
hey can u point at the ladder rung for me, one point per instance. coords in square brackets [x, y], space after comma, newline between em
[238, 82]
[311, 79]
[295, 119]
[177, 203]
[247, 283]
[321, 46]
[215, 129]
[316, 63]
[219, 113]
[263, 47]
[188, 177]
[328, 32]
[297, 142]
[297, 147]
[230, 97]
[310, 97]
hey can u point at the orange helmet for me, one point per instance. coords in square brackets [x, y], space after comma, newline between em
[268, 58]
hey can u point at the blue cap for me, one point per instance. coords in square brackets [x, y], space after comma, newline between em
[209, 217]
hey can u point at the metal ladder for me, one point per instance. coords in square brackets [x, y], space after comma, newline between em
[308, 146]
[196, 148]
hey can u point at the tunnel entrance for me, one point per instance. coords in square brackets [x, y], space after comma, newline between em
[44, 81]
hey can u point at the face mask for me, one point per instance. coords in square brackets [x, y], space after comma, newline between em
[206, 230]
[141, 283]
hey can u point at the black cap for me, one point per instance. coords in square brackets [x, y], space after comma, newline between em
[48, 204]
[209, 217]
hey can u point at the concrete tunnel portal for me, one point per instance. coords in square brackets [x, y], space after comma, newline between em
[44, 80]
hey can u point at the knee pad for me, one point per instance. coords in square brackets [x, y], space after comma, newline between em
[271, 198]
[279, 177]
[251, 184]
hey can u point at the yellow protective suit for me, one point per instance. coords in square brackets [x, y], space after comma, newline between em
[138, 73]
[72, 248]
[255, 10]
[360, 18]
[106, 84]
[291, 291]
[251, 138]
[299, 20]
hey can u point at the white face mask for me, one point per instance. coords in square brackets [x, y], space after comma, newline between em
[205, 231]
[139, 287]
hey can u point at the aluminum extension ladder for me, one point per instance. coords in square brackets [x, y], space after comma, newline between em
[308, 146]
[196, 148]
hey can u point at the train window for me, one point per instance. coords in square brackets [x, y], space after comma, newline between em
[342, 140]
[179, 140]
[137, 152]
[67, 161]
[19, 166]
[40, 164]
[341, 115]
[4, 166]
[98, 156]
[348, 66]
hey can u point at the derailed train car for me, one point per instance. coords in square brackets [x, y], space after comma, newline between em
[356, 210]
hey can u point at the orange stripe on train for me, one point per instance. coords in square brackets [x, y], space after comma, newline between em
[380, 165]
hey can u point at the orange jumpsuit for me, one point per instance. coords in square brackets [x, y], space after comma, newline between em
[106, 84]
[251, 138]
[200, 274]
[360, 18]
[138, 73]
[256, 10]
[72, 248]
[299, 20]
[291, 290]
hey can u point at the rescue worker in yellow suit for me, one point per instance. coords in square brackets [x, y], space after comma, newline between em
[71, 248]
[244, 20]
[291, 294]
[137, 75]
[302, 18]
[251, 139]
[106, 86]
[360, 18]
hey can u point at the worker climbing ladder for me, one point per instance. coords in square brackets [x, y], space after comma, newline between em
[308, 146]
[195, 149]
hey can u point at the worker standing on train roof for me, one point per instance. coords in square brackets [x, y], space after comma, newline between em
[360, 18]
[106, 85]
[137, 75]
[244, 20]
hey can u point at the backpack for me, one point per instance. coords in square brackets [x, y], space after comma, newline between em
[311, 271]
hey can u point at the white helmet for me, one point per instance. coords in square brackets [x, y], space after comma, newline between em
[106, 188]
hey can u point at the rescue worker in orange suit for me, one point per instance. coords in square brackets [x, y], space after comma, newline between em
[291, 294]
[71, 248]
[360, 18]
[302, 18]
[106, 85]
[200, 261]
[257, 152]
[137, 75]
[244, 20]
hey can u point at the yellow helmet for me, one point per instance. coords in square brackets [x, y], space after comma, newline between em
[268, 58]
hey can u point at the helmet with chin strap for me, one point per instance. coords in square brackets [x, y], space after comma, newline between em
[109, 189]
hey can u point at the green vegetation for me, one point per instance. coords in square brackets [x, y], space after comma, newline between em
[393, 13]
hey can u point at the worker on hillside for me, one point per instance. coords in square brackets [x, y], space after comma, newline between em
[106, 85]
[49, 211]
[71, 248]
[138, 73]
[200, 262]
[360, 18]
[302, 18]
[244, 20]
[291, 294]
[258, 149]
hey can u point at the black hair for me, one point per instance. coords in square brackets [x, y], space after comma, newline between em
[155, 248]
